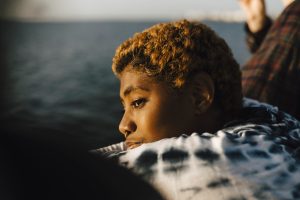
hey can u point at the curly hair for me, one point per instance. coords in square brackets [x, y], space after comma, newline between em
[174, 51]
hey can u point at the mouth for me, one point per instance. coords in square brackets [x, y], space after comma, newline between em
[130, 144]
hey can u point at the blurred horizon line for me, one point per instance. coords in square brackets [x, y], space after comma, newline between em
[193, 15]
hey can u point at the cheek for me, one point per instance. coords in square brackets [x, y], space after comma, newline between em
[174, 118]
[163, 121]
[150, 124]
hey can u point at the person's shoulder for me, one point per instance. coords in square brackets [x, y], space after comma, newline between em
[255, 112]
[265, 123]
[252, 103]
[275, 115]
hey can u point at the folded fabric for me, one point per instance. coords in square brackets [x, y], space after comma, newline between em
[255, 157]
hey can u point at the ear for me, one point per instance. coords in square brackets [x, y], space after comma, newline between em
[202, 90]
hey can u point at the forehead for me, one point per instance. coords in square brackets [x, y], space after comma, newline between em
[131, 78]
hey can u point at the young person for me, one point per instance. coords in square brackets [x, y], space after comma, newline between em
[188, 131]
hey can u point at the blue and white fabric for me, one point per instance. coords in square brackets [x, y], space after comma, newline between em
[255, 157]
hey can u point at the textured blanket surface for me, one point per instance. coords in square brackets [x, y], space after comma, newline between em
[256, 157]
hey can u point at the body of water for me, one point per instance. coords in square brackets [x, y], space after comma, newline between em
[58, 75]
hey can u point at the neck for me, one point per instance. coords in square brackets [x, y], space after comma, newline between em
[212, 121]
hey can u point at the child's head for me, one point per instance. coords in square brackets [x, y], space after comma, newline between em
[178, 56]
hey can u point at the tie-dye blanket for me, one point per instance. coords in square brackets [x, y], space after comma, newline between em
[256, 157]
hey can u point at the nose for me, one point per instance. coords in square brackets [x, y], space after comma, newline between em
[127, 125]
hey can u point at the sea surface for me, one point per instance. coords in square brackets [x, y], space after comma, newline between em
[58, 75]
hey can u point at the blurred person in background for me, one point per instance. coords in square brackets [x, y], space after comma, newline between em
[272, 74]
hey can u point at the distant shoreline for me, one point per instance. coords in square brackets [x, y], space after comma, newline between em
[194, 15]
[29, 21]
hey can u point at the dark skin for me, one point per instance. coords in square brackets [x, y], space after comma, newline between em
[153, 110]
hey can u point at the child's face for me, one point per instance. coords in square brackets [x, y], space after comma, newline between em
[152, 110]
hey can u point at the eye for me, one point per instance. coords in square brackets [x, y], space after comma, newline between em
[139, 103]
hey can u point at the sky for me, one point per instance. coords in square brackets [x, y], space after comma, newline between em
[60, 10]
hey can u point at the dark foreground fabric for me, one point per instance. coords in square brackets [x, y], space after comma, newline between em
[38, 163]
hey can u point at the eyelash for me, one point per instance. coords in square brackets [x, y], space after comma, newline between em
[139, 103]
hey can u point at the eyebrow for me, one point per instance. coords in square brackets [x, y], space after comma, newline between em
[131, 89]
